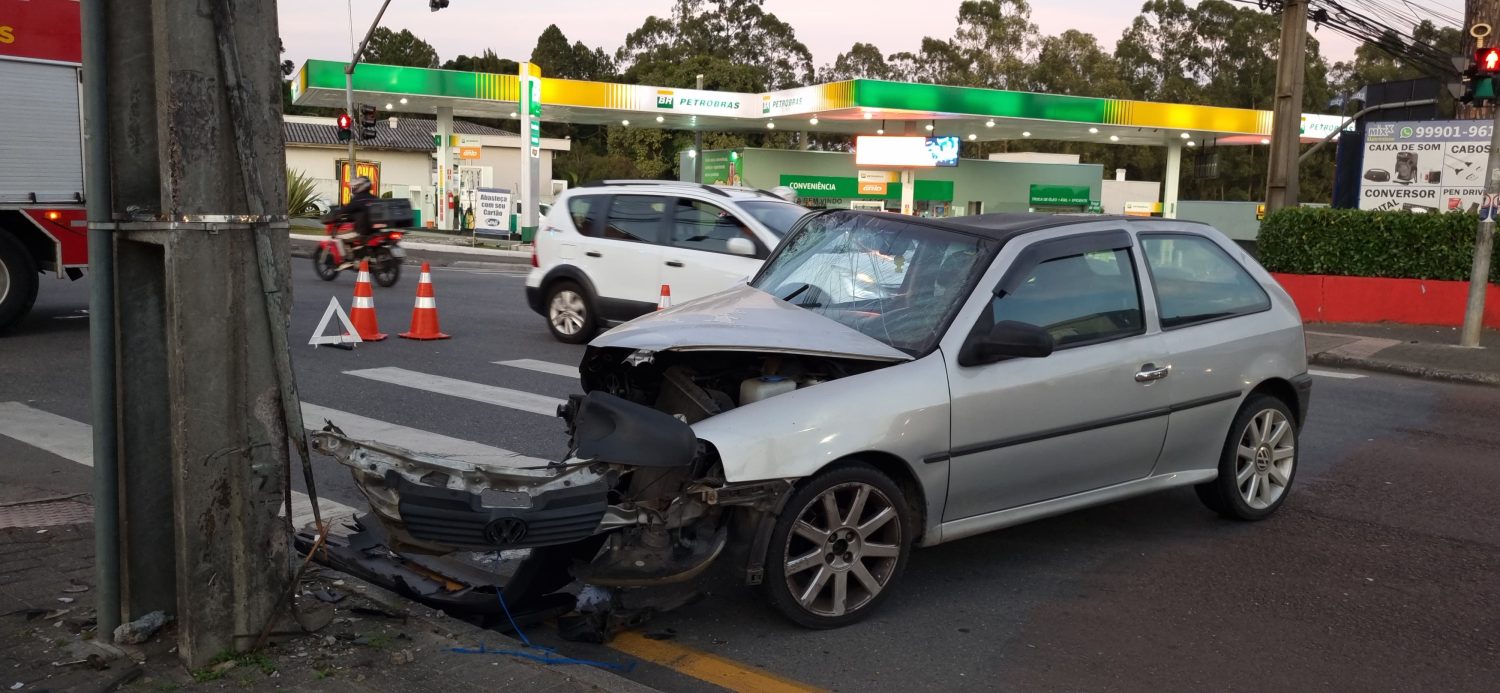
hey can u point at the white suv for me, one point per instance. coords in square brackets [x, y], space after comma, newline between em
[606, 249]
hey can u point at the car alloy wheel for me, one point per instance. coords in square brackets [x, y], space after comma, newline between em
[567, 314]
[1258, 463]
[843, 550]
[1264, 459]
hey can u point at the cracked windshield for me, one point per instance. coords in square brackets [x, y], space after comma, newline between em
[894, 281]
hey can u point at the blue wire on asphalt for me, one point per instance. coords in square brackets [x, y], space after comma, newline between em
[547, 657]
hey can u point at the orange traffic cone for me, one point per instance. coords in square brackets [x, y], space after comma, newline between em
[362, 311]
[424, 317]
[665, 301]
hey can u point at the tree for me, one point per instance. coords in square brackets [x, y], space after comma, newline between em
[651, 151]
[583, 166]
[938, 62]
[862, 61]
[1376, 62]
[558, 58]
[1074, 63]
[997, 38]
[487, 62]
[737, 40]
[1157, 55]
[387, 47]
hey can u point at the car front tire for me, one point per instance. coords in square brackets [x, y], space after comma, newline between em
[1258, 463]
[839, 546]
[570, 317]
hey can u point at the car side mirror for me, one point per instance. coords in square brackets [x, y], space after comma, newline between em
[1007, 339]
[741, 246]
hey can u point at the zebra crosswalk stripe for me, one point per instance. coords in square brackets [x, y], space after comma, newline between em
[541, 367]
[478, 392]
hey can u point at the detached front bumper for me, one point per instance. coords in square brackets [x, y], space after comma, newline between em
[438, 505]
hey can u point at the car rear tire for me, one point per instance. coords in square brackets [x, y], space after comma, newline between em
[1258, 463]
[18, 281]
[570, 317]
[839, 546]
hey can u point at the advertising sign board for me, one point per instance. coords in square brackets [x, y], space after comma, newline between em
[41, 30]
[1427, 166]
[493, 210]
[368, 169]
[905, 152]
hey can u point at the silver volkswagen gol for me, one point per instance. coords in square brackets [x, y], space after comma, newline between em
[885, 383]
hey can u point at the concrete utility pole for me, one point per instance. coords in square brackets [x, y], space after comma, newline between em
[1484, 239]
[1286, 125]
[197, 174]
[1484, 248]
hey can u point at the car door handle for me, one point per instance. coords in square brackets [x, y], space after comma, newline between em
[673, 263]
[594, 253]
[1150, 373]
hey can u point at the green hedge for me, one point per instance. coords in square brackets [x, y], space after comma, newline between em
[1358, 243]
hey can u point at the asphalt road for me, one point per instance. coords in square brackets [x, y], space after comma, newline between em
[1382, 571]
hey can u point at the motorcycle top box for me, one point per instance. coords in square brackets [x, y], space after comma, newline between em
[391, 213]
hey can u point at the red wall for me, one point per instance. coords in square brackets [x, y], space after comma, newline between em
[1328, 298]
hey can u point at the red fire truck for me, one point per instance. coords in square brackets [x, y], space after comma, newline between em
[42, 223]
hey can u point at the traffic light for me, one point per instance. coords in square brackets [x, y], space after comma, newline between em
[345, 127]
[436, 5]
[1479, 79]
[367, 116]
[1487, 60]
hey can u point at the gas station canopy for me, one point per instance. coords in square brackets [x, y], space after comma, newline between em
[852, 107]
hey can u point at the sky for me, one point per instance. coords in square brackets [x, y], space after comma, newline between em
[320, 28]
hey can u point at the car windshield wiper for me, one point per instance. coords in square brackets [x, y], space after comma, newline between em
[788, 298]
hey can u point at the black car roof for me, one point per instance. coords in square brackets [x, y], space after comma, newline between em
[1007, 225]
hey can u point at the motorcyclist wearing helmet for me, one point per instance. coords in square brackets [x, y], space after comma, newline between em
[356, 210]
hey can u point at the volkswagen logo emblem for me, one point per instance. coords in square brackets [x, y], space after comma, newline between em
[506, 531]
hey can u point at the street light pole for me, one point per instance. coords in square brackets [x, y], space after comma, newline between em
[349, 90]
[698, 145]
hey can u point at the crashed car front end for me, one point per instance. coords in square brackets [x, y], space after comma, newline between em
[635, 471]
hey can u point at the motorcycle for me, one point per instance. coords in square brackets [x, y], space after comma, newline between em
[382, 248]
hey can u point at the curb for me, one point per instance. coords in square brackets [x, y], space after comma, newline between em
[1334, 360]
[466, 634]
[462, 250]
[438, 255]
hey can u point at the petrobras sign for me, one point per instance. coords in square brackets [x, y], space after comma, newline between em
[723, 103]
[689, 101]
[1317, 127]
[800, 100]
[1424, 166]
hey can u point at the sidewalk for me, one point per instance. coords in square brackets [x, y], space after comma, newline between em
[368, 639]
[1416, 350]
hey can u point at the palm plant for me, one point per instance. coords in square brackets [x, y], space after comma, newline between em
[301, 194]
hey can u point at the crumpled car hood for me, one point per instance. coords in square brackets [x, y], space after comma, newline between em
[746, 319]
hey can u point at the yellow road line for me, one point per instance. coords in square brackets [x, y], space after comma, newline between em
[704, 666]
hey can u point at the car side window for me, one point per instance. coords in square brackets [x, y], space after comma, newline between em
[698, 225]
[585, 211]
[1196, 281]
[636, 218]
[1079, 299]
